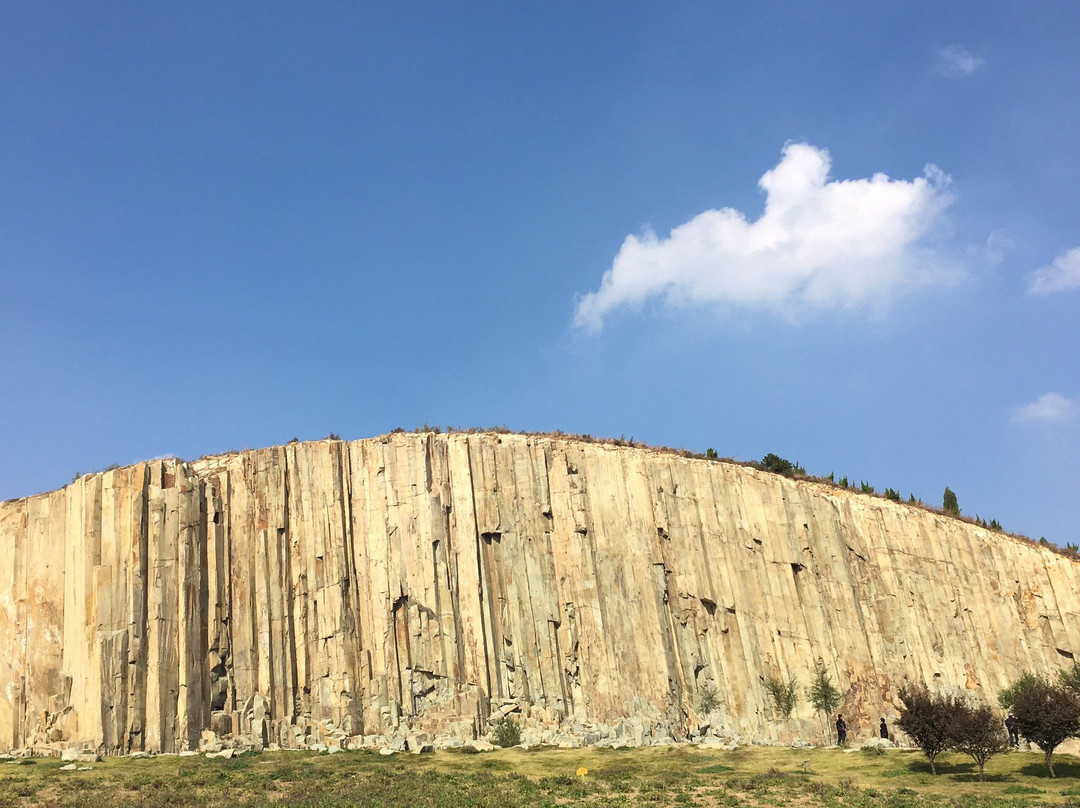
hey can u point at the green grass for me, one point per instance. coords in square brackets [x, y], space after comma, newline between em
[669, 777]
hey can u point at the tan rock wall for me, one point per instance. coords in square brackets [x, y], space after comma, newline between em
[426, 581]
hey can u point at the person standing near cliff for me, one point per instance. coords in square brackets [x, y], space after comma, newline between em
[841, 731]
[883, 729]
[1014, 730]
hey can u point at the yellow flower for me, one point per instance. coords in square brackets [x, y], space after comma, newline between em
[582, 772]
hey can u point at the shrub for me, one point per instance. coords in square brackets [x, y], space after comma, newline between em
[1026, 682]
[779, 465]
[893, 494]
[710, 453]
[505, 732]
[843, 482]
[1070, 678]
[866, 488]
[948, 502]
[928, 720]
[708, 699]
[785, 694]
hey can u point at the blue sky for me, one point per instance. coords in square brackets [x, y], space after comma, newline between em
[846, 235]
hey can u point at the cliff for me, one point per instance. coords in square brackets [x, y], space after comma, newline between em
[331, 592]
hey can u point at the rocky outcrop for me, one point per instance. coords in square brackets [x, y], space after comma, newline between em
[420, 585]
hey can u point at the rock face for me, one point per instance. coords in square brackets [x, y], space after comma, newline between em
[335, 593]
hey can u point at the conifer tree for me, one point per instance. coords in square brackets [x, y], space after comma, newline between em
[949, 504]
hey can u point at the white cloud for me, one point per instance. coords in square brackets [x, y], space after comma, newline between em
[1060, 276]
[819, 244]
[998, 245]
[956, 62]
[1050, 408]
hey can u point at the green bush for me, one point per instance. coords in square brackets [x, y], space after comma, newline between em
[1070, 677]
[505, 732]
[893, 494]
[709, 699]
[779, 465]
[1026, 682]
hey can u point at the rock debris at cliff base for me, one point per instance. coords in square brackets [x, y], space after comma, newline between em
[418, 586]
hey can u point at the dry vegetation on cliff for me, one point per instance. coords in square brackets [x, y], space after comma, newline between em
[671, 777]
[797, 472]
[794, 471]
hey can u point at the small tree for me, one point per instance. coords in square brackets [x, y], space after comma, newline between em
[785, 694]
[822, 694]
[1046, 714]
[928, 720]
[505, 732]
[948, 502]
[711, 453]
[978, 732]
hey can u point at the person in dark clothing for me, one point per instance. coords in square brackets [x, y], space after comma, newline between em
[883, 729]
[1014, 730]
[841, 731]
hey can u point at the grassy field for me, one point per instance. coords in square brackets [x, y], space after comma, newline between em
[673, 776]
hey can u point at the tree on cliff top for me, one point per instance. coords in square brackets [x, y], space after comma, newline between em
[948, 502]
[775, 463]
[928, 720]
